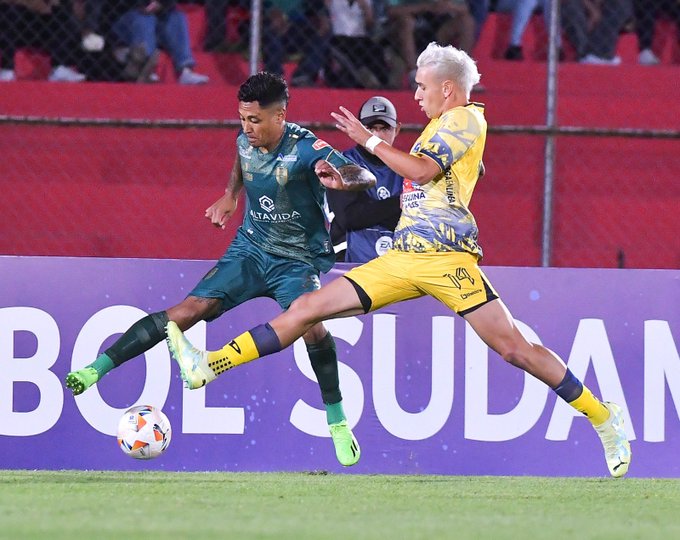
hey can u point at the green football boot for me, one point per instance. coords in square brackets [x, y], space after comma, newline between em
[81, 380]
[346, 446]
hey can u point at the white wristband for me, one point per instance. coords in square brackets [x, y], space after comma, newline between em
[372, 142]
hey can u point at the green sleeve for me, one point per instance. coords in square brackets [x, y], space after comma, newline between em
[312, 149]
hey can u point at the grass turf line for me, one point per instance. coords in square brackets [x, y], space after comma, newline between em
[281, 506]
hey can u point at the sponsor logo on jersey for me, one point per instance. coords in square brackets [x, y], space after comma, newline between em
[281, 174]
[287, 157]
[266, 203]
[383, 244]
[319, 144]
[383, 192]
[409, 185]
[268, 206]
[274, 217]
[412, 199]
[465, 296]
[450, 194]
[412, 194]
[245, 167]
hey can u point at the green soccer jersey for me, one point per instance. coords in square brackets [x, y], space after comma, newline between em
[284, 214]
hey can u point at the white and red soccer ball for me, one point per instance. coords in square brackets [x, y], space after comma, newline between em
[144, 432]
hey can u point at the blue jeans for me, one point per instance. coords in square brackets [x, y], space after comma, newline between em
[479, 9]
[522, 10]
[302, 37]
[169, 31]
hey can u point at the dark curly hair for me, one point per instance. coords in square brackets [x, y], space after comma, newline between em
[265, 88]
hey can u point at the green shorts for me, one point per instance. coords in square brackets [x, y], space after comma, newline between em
[246, 271]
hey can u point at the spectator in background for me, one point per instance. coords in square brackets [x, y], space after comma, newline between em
[296, 27]
[354, 59]
[49, 25]
[216, 20]
[593, 27]
[646, 13]
[416, 22]
[363, 222]
[146, 26]
[522, 11]
[92, 39]
[479, 9]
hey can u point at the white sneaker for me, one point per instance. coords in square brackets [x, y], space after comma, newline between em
[600, 61]
[7, 75]
[65, 74]
[92, 42]
[189, 76]
[193, 363]
[616, 446]
[648, 58]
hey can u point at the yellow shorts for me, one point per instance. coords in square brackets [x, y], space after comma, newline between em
[452, 277]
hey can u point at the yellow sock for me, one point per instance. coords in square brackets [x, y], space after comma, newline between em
[592, 407]
[236, 352]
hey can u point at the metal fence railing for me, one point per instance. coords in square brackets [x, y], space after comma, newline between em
[135, 188]
[562, 195]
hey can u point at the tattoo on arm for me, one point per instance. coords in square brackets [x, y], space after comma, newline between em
[235, 179]
[356, 178]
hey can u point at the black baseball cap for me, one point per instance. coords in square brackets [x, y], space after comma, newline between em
[378, 109]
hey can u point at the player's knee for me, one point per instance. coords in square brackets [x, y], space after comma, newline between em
[192, 310]
[304, 308]
[516, 357]
[316, 334]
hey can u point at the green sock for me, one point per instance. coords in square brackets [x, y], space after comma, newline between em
[334, 413]
[103, 364]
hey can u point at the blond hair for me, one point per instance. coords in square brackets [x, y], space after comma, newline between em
[451, 63]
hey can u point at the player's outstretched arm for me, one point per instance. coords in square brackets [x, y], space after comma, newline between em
[348, 177]
[418, 169]
[223, 208]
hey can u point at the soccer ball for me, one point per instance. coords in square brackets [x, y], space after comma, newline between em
[144, 432]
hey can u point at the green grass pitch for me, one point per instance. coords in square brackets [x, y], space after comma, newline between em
[86, 505]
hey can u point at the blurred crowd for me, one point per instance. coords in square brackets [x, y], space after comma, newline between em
[337, 43]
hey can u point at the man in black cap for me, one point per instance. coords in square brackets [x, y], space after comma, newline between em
[362, 223]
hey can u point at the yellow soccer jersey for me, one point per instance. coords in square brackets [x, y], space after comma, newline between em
[435, 216]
